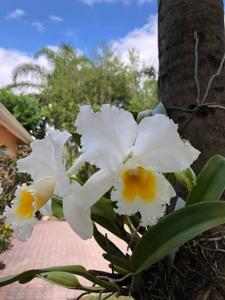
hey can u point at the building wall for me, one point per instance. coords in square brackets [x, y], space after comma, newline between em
[8, 139]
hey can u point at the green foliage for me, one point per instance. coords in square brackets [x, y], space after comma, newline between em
[27, 110]
[76, 79]
[5, 236]
[175, 230]
[9, 177]
[57, 208]
[210, 182]
[103, 214]
[27, 276]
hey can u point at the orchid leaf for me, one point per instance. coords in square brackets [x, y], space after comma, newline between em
[103, 214]
[106, 244]
[175, 230]
[210, 182]
[74, 269]
[121, 262]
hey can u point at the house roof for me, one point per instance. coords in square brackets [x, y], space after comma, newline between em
[8, 121]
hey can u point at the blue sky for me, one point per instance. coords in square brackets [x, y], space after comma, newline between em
[27, 26]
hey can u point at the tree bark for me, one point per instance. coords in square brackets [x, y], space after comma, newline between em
[191, 49]
[179, 55]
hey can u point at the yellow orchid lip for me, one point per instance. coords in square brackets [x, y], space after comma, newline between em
[139, 183]
[31, 199]
[25, 208]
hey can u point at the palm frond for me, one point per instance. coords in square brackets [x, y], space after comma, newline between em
[34, 70]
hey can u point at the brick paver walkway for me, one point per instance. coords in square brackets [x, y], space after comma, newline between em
[52, 243]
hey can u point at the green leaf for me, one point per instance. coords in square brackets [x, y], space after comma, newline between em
[75, 269]
[64, 279]
[106, 244]
[187, 178]
[174, 230]
[121, 262]
[210, 182]
[57, 207]
[103, 213]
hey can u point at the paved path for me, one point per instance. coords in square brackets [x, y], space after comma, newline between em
[52, 243]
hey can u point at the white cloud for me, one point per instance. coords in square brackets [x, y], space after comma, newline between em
[15, 14]
[92, 2]
[144, 40]
[55, 48]
[56, 19]
[38, 26]
[11, 58]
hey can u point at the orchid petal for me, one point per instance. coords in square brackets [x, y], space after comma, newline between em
[159, 145]
[96, 186]
[179, 204]
[45, 158]
[46, 210]
[77, 203]
[106, 136]
[77, 214]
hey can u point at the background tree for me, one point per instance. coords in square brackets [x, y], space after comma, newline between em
[191, 49]
[75, 79]
[27, 110]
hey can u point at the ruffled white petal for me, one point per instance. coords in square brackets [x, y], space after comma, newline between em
[22, 229]
[107, 135]
[150, 211]
[158, 145]
[45, 159]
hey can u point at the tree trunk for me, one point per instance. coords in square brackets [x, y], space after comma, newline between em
[179, 57]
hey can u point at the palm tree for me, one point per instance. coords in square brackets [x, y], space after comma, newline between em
[41, 75]
[57, 83]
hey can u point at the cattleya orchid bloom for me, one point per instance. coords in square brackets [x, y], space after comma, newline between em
[45, 166]
[132, 159]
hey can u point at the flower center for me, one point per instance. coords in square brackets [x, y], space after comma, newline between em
[139, 183]
[31, 200]
[25, 207]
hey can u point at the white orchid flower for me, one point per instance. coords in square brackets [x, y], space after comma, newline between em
[77, 202]
[45, 166]
[131, 158]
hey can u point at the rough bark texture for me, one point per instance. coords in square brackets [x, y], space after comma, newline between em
[177, 22]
